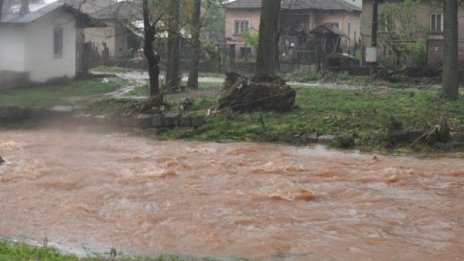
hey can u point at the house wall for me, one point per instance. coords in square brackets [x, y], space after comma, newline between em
[120, 44]
[12, 48]
[39, 58]
[114, 35]
[343, 19]
[423, 13]
[423, 18]
[90, 6]
[252, 15]
[317, 18]
[100, 35]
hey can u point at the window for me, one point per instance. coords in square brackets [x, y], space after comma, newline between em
[436, 22]
[349, 30]
[58, 42]
[241, 26]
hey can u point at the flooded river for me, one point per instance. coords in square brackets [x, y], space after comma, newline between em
[265, 202]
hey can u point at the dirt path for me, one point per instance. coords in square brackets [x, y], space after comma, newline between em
[139, 78]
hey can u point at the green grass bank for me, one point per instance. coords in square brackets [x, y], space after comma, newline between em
[364, 114]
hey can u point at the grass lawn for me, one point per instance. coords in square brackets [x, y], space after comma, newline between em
[64, 93]
[365, 114]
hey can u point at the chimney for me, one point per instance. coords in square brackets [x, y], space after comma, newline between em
[24, 9]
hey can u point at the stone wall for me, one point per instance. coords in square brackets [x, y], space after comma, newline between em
[156, 122]
[161, 122]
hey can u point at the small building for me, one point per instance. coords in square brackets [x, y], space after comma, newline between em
[298, 18]
[118, 37]
[89, 6]
[428, 20]
[43, 44]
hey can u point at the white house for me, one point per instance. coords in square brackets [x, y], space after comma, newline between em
[43, 44]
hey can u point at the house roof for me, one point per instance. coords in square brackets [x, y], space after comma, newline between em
[122, 10]
[325, 29]
[326, 5]
[89, 6]
[16, 18]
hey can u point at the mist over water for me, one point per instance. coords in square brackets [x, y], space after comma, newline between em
[259, 201]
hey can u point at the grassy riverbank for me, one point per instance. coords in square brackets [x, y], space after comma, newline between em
[364, 114]
[22, 252]
[59, 93]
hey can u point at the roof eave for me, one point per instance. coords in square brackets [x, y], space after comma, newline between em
[85, 19]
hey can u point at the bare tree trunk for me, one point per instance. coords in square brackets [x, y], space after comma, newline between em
[265, 92]
[450, 77]
[267, 58]
[196, 46]
[172, 59]
[153, 59]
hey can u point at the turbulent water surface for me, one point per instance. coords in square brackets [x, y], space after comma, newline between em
[251, 200]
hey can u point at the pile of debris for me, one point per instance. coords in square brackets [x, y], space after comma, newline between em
[152, 105]
[440, 135]
[241, 94]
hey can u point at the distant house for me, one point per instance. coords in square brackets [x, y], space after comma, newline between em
[44, 44]
[118, 37]
[299, 18]
[429, 19]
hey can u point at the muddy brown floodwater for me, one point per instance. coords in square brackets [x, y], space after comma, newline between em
[260, 201]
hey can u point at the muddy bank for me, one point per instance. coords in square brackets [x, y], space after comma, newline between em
[258, 201]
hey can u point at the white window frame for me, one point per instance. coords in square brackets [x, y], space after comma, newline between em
[433, 22]
[240, 29]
